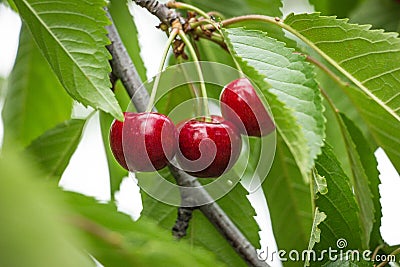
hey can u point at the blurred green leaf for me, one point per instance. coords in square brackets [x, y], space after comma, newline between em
[53, 150]
[338, 204]
[35, 100]
[72, 37]
[349, 263]
[272, 8]
[173, 98]
[9, 3]
[382, 14]
[32, 231]
[340, 8]
[201, 232]
[289, 202]
[231, 8]
[3, 84]
[127, 30]
[115, 240]
[116, 172]
[293, 84]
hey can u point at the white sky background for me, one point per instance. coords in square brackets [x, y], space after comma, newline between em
[88, 172]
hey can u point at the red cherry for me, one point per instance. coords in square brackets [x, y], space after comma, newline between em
[116, 142]
[242, 106]
[208, 148]
[144, 141]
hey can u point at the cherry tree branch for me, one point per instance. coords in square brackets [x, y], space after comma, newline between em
[124, 69]
[161, 11]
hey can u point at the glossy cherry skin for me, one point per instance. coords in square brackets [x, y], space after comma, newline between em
[208, 148]
[116, 142]
[144, 141]
[242, 106]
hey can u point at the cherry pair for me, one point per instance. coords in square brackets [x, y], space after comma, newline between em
[148, 141]
[208, 147]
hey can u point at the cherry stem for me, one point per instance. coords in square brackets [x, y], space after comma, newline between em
[193, 89]
[181, 5]
[208, 18]
[216, 13]
[199, 23]
[192, 52]
[171, 38]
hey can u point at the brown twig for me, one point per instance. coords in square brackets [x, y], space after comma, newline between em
[161, 11]
[182, 222]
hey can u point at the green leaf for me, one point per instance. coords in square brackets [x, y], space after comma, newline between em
[293, 83]
[72, 37]
[117, 173]
[382, 14]
[320, 185]
[201, 232]
[366, 182]
[236, 205]
[127, 30]
[340, 8]
[35, 100]
[289, 202]
[384, 128]
[285, 122]
[343, 104]
[32, 229]
[359, 178]
[368, 58]
[338, 204]
[362, 170]
[115, 240]
[53, 149]
[315, 237]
